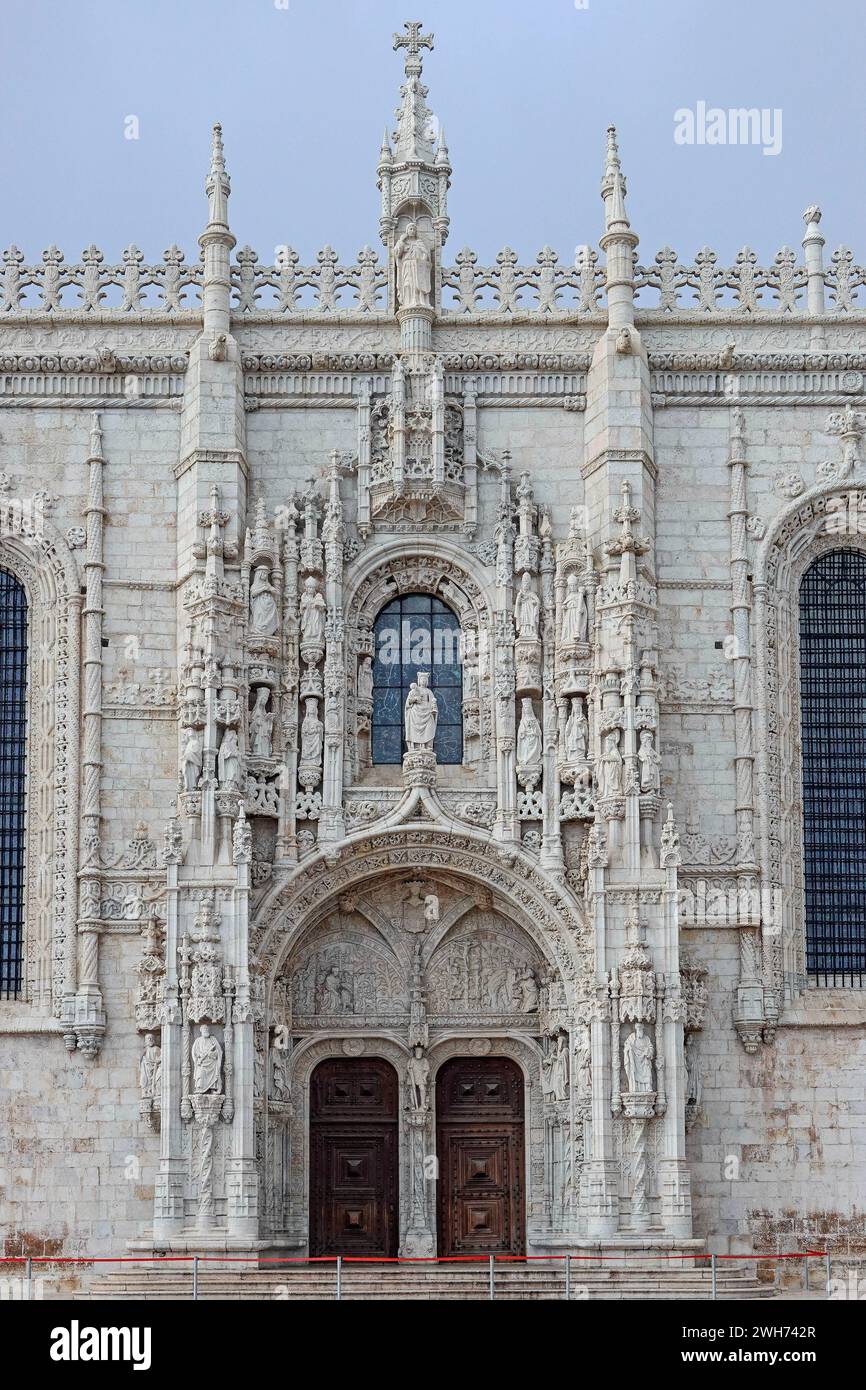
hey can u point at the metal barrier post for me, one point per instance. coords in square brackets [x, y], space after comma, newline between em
[339, 1293]
[713, 1271]
[29, 1278]
[568, 1276]
[492, 1276]
[829, 1275]
[195, 1276]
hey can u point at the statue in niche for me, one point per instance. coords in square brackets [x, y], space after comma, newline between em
[650, 763]
[418, 1079]
[526, 610]
[335, 996]
[637, 1057]
[193, 758]
[576, 733]
[470, 681]
[431, 908]
[280, 1089]
[528, 736]
[527, 990]
[554, 1069]
[414, 278]
[263, 604]
[150, 1069]
[312, 614]
[229, 761]
[610, 779]
[421, 714]
[575, 614]
[312, 734]
[365, 679]
[583, 1062]
[207, 1057]
[262, 724]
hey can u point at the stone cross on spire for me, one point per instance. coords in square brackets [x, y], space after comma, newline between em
[413, 41]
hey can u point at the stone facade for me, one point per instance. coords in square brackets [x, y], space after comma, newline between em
[214, 476]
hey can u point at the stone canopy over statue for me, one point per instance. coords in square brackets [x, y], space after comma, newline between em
[414, 277]
[421, 714]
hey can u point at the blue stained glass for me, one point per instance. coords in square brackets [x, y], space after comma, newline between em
[414, 634]
[450, 702]
[13, 693]
[387, 743]
[449, 743]
[833, 718]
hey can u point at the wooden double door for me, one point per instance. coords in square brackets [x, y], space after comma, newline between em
[354, 1107]
[354, 1154]
[480, 1147]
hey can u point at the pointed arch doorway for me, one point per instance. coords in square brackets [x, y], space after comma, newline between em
[354, 1108]
[480, 1147]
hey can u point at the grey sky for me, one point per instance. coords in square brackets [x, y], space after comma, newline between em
[524, 92]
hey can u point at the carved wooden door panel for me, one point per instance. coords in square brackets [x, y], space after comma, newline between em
[353, 1157]
[479, 1121]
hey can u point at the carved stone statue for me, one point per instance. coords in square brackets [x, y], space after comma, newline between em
[637, 1056]
[575, 615]
[193, 757]
[335, 995]
[650, 763]
[262, 724]
[583, 1062]
[312, 614]
[421, 714]
[264, 618]
[610, 778]
[554, 1069]
[526, 986]
[207, 1058]
[576, 733]
[693, 1070]
[365, 679]
[312, 734]
[150, 1069]
[418, 1079]
[431, 908]
[229, 761]
[414, 278]
[526, 610]
[528, 736]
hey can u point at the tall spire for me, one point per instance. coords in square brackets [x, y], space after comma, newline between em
[415, 135]
[216, 241]
[619, 241]
[218, 184]
[613, 188]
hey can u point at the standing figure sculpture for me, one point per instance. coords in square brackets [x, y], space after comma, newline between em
[312, 614]
[207, 1057]
[638, 1059]
[262, 724]
[610, 780]
[528, 736]
[193, 758]
[650, 763]
[421, 714]
[414, 279]
[526, 610]
[576, 732]
[229, 761]
[264, 618]
[312, 734]
[575, 616]
[418, 1078]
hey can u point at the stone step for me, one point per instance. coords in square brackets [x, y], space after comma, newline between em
[409, 1282]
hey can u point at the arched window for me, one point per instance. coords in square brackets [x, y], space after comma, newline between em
[416, 633]
[833, 714]
[13, 739]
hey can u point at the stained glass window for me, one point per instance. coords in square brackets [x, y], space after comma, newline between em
[413, 634]
[833, 712]
[13, 733]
